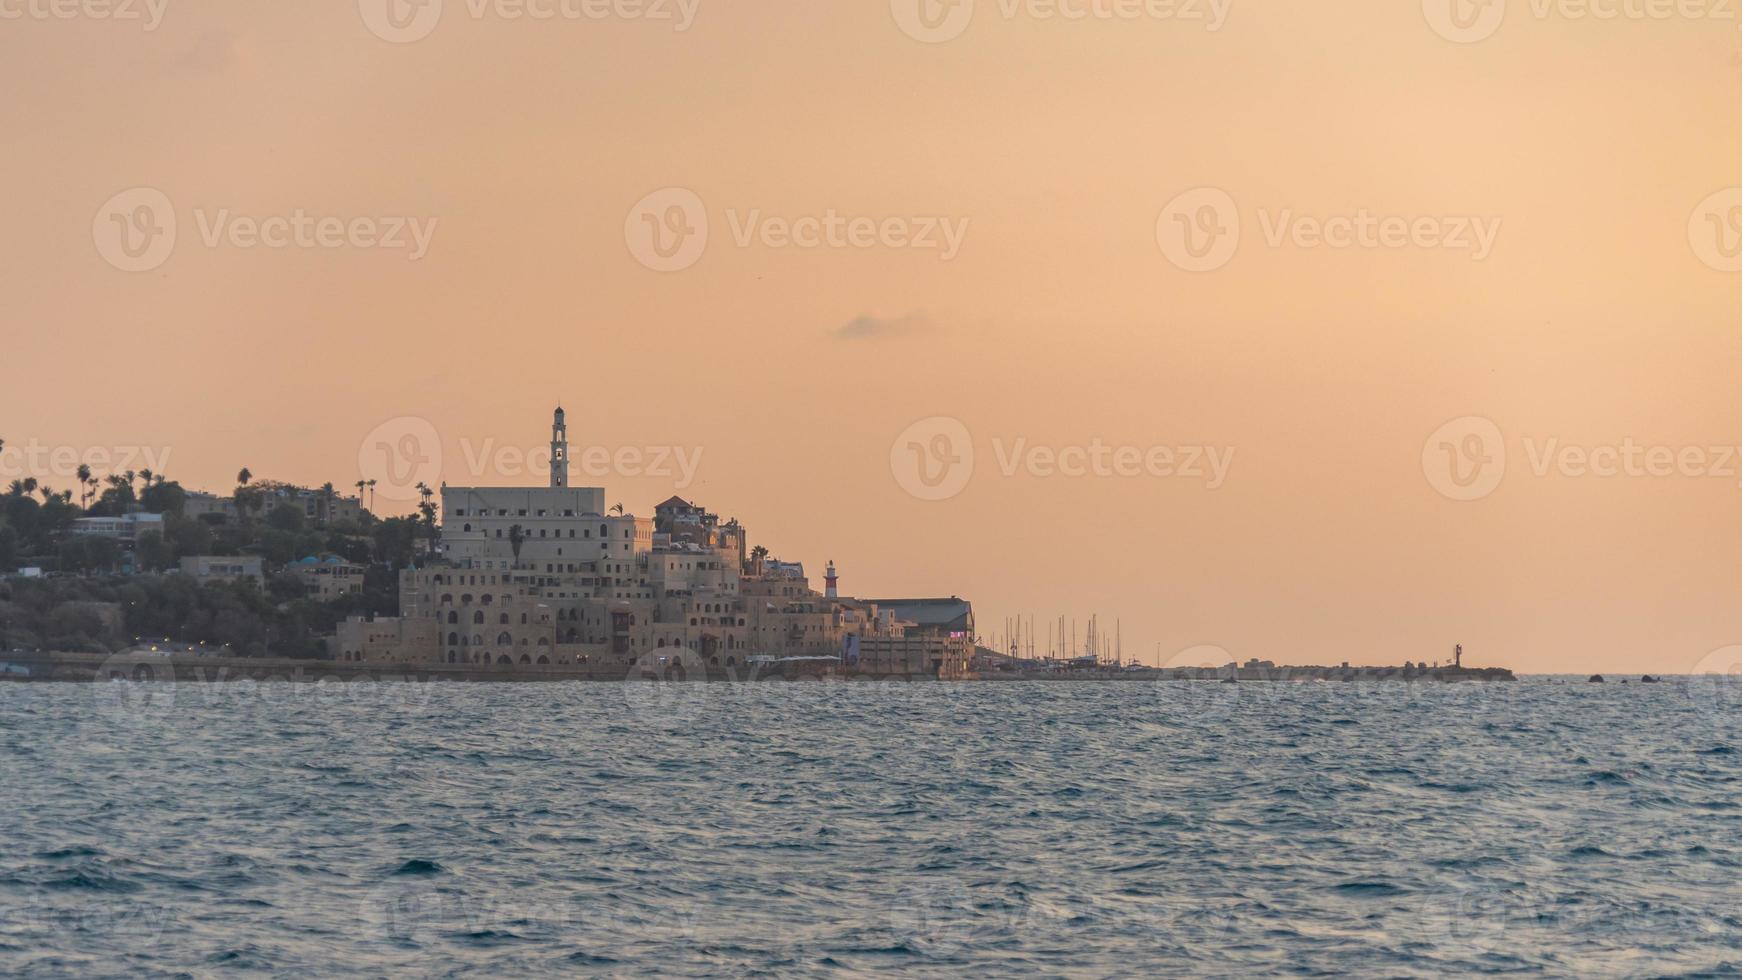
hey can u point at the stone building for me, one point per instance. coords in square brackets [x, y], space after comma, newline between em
[313, 504]
[385, 640]
[224, 568]
[545, 575]
[327, 578]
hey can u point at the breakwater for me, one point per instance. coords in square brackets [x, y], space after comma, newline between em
[89, 667]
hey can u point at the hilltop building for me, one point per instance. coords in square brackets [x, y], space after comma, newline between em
[224, 568]
[546, 576]
[327, 578]
[315, 506]
[125, 529]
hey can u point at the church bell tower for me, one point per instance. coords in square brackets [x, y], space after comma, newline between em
[559, 451]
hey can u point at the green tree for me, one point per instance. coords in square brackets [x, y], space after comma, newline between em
[285, 518]
[248, 500]
[280, 547]
[118, 499]
[153, 553]
[187, 537]
[164, 498]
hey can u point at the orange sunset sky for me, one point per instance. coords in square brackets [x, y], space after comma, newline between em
[1070, 153]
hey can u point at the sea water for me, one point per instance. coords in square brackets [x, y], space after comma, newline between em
[1008, 829]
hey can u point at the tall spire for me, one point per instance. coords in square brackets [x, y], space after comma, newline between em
[559, 451]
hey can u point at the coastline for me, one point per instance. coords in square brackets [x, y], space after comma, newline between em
[29, 667]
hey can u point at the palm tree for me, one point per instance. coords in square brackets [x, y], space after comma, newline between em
[243, 498]
[371, 495]
[84, 475]
[48, 494]
[516, 538]
[122, 487]
[327, 495]
[146, 475]
[618, 509]
[93, 483]
[428, 509]
[426, 504]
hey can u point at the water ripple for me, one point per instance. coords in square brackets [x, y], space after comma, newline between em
[929, 830]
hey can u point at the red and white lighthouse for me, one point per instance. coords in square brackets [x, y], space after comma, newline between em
[830, 581]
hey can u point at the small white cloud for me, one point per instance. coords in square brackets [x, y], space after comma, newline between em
[872, 327]
[217, 53]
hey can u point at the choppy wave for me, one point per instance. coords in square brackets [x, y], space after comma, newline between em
[806, 829]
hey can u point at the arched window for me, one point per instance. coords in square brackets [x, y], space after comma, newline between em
[504, 640]
[478, 618]
[453, 617]
[544, 660]
[504, 619]
[525, 659]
